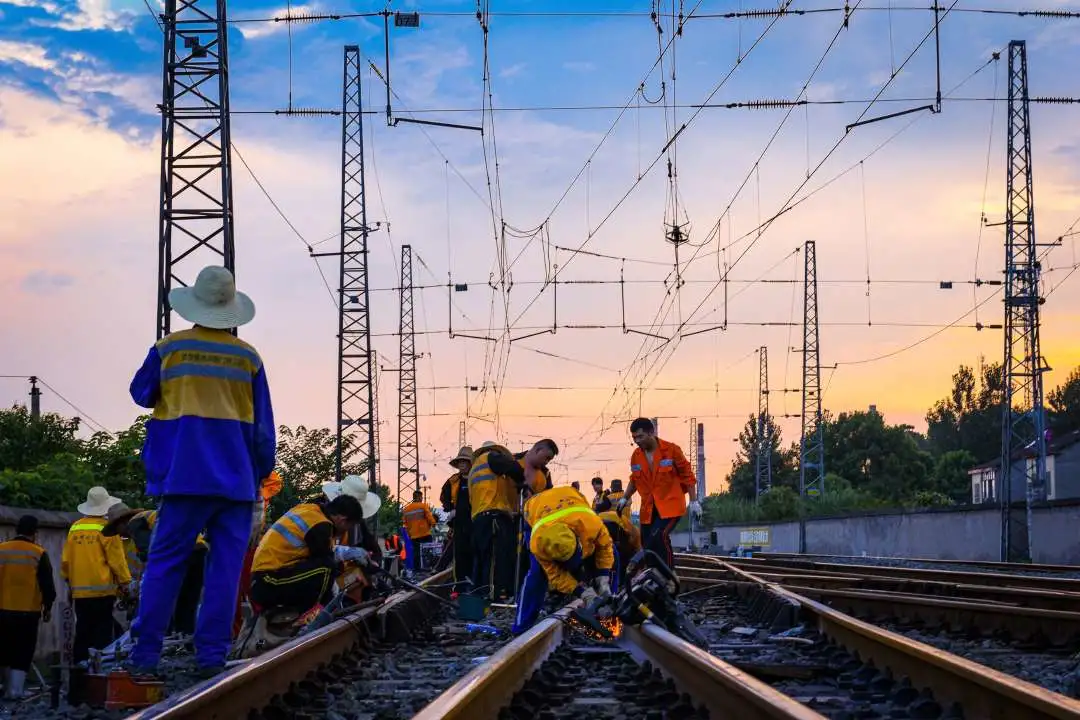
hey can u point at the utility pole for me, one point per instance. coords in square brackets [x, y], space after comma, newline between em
[195, 226]
[408, 435]
[356, 392]
[811, 445]
[693, 448]
[376, 451]
[1023, 421]
[35, 399]
[763, 464]
[461, 434]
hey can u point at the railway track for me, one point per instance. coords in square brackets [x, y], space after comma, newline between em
[988, 565]
[773, 654]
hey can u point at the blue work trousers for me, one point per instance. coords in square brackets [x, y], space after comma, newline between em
[181, 518]
[410, 549]
[534, 591]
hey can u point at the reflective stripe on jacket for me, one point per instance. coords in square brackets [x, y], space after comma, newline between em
[19, 590]
[93, 565]
[418, 519]
[567, 506]
[284, 544]
[664, 484]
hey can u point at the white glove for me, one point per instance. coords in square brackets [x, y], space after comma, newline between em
[588, 596]
[450, 516]
[695, 509]
[603, 586]
[621, 505]
[344, 553]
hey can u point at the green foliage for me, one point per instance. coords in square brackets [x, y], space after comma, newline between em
[741, 480]
[780, 503]
[883, 460]
[25, 444]
[951, 477]
[969, 417]
[307, 458]
[1064, 402]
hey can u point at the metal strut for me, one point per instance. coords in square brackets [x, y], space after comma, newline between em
[356, 393]
[1023, 427]
[811, 445]
[196, 213]
[763, 461]
[408, 479]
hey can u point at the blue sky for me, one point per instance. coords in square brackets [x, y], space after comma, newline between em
[78, 89]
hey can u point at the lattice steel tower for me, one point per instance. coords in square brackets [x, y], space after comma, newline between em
[356, 393]
[693, 448]
[408, 435]
[1023, 419]
[811, 445]
[763, 461]
[196, 213]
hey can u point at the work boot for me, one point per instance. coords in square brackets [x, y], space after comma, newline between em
[14, 685]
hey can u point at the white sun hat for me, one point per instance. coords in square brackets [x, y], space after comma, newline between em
[98, 502]
[213, 301]
[357, 487]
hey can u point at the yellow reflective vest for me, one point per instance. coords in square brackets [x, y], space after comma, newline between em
[633, 535]
[418, 519]
[93, 565]
[19, 590]
[284, 544]
[488, 491]
[566, 506]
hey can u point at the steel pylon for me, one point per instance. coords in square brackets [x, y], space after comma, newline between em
[811, 444]
[408, 432]
[763, 459]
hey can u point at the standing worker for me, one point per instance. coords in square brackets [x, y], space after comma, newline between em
[661, 474]
[27, 594]
[615, 494]
[598, 493]
[569, 547]
[209, 444]
[455, 501]
[497, 482]
[418, 520]
[96, 571]
[624, 534]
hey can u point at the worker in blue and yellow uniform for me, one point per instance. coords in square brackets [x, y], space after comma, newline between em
[419, 520]
[210, 443]
[615, 494]
[96, 571]
[570, 547]
[135, 528]
[297, 559]
[624, 534]
[27, 594]
[499, 481]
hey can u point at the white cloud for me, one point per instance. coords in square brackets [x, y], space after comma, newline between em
[95, 15]
[46, 5]
[578, 66]
[28, 54]
[512, 71]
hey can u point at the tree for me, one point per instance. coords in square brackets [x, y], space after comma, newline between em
[881, 459]
[744, 467]
[26, 443]
[951, 477]
[969, 417]
[117, 460]
[1064, 402]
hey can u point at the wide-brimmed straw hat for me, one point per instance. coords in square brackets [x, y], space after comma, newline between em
[118, 513]
[213, 301]
[489, 446]
[98, 502]
[358, 488]
[464, 454]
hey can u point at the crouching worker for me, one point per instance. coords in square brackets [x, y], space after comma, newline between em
[297, 559]
[569, 547]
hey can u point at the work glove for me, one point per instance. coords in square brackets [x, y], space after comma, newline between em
[588, 595]
[621, 505]
[603, 586]
[450, 516]
[695, 509]
[133, 588]
[344, 553]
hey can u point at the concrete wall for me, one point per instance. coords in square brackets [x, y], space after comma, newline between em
[52, 531]
[966, 533]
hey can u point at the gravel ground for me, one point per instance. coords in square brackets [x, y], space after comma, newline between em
[803, 665]
[1053, 670]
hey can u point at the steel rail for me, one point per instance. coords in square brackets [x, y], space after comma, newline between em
[991, 564]
[722, 688]
[982, 692]
[234, 693]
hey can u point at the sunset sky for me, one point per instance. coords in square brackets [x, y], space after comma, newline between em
[898, 201]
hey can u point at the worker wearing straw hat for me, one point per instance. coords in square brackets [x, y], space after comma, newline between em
[209, 445]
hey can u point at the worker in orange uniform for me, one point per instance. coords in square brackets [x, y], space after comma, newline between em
[661, 474]
[297, 559]
[395, 549]
[27, 594]
[499, 482]
[569, 547]
[624, 534]
[96, 571]
[419, 521]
